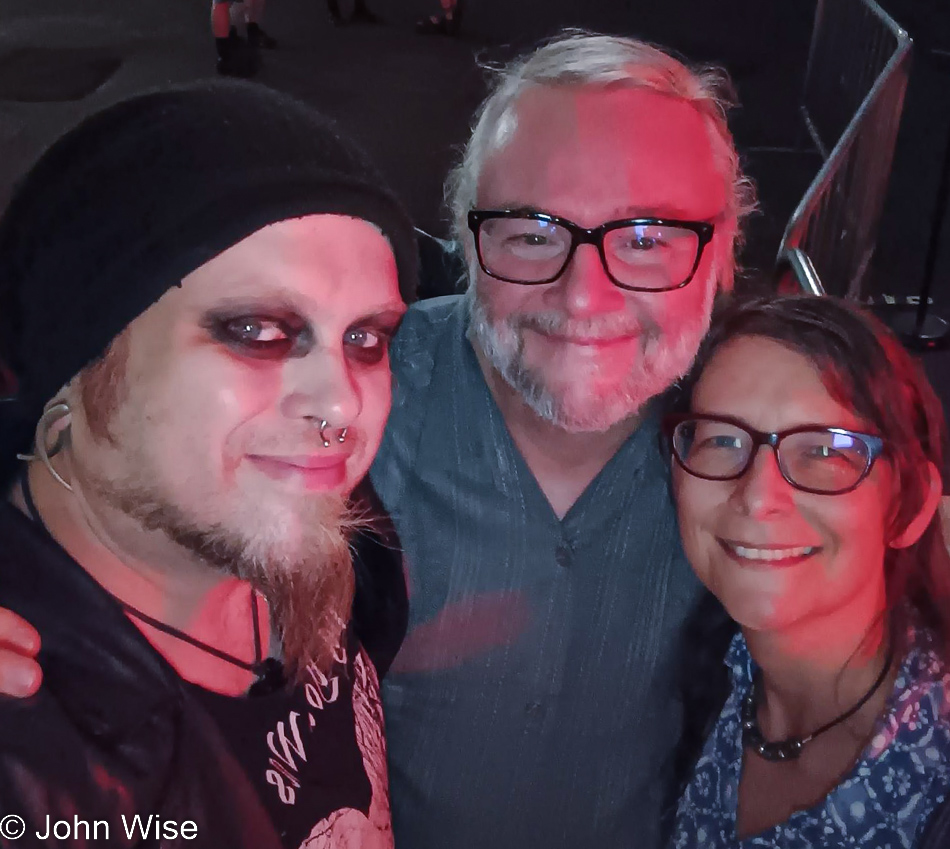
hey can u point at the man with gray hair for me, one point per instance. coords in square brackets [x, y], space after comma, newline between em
[598, 204]
[533, 703]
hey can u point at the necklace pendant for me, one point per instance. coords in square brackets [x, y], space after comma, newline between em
[752, 737]
[791, 748]
[270, 677]
[786, 750]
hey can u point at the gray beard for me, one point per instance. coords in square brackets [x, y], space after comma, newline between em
[310, 598]
[503, 346]
[507, 360]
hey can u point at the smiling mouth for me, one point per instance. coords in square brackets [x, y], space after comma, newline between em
[320, 472]
[769, 555]
[303, 462]
[589, 341]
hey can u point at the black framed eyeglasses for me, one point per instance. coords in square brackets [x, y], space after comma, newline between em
[812, 458]
[639, 254]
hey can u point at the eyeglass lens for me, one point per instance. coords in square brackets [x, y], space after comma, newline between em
[822, 460]
[647, 256]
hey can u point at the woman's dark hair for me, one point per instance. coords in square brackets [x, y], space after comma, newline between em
[864, 368]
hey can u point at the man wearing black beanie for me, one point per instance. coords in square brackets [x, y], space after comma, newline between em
[199, 331]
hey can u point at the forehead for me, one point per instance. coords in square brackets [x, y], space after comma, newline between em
[327, 267]
[768, 384]
[598, 152]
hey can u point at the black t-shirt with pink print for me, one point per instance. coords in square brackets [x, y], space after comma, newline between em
[316, 754]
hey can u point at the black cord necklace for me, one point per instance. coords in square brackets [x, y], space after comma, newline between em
[791, 747]
[269, 670]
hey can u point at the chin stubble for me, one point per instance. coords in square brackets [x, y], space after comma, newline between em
[309, 592]
[502, 344]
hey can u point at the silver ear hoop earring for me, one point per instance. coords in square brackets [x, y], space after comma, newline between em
[44, 452]
[323, 435]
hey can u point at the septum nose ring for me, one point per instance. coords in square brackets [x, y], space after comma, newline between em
[323, 434]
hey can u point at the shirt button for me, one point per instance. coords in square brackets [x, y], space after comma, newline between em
[564, 556]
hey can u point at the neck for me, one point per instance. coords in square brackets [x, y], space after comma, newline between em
[148, 572]
[563, 462]
[821, 667]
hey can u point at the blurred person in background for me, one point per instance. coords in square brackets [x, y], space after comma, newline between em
[447, 22]
[237, 56]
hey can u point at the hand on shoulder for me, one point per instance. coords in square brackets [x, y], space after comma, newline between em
[20, 674]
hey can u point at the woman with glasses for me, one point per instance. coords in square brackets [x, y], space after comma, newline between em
[806, 475]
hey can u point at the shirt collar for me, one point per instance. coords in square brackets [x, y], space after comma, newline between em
[739, 661]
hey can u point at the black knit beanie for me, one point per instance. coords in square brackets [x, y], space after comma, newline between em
[137, 196]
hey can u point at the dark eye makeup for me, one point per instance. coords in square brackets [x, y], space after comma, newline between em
[261, 335]
[368, 340]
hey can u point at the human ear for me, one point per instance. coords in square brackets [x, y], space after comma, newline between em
[919, 523]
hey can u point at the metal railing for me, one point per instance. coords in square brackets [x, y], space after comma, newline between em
[858, 65]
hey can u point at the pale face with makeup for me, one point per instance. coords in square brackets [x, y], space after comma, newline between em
[591, 354]
[229, 376]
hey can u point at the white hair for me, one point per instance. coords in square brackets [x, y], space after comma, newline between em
[577, 58]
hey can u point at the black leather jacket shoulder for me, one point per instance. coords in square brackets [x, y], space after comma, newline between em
[113, 732]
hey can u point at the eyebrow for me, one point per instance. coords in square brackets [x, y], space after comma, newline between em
[620, 213]
[676, 213]
[386, 317]
[733, 419]
[271, 303]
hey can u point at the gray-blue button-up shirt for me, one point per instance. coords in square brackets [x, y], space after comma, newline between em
[532, 704]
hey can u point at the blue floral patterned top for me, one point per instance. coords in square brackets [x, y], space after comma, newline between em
[884, 802]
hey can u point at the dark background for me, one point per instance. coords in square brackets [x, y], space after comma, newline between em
[410, 98]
